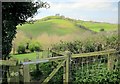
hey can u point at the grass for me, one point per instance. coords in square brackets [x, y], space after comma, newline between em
[56, 25]
[30, 56]
[96, 26]
[51, 27]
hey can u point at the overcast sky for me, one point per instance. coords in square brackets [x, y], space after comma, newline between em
[94, 10]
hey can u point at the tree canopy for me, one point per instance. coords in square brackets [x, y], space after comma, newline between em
[14, 13]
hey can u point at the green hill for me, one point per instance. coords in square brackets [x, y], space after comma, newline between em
[51, 26]
[59, 25]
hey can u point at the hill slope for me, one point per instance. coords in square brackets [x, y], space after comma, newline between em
[97, 26]
[59, 25]
[51, 26]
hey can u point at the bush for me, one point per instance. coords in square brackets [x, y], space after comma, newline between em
[102, 29]
[34, 46]
[31, 47]
[37, 47]
[75, 46]
[21, 49]
[89, 47]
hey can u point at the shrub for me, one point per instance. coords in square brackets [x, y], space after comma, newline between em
[21, 49]
[89, 47]
[34, 46]
[31, 47]
[37, 47]
[102, 29]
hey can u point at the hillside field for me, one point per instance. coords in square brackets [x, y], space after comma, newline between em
[96, 26]
[61, 26]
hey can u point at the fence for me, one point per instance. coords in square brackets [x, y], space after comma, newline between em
[20, 72]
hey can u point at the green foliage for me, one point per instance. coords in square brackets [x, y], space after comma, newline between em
[21, 49]
[75, 46]
[89, 45]
[34, 46]
[102, 29]
[45, 69]
[31, 47]
[36, 74]
[102, 75]
[14, 13]
[112, 41]
[91, 75]
[58, 77]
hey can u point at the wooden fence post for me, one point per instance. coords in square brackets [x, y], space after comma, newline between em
[26, 73]
[37, 65]
[66, 74]
[21, 79]
[64, 66]
[110, 62]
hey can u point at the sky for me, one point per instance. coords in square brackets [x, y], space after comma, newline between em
[92, 10]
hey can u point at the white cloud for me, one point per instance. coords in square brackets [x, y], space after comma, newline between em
[94, 0]
[82, 5]
[81, 9]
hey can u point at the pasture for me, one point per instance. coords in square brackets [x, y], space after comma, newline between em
[97, 26]
[56, 25]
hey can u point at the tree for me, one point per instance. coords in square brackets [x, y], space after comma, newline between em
[14, 13]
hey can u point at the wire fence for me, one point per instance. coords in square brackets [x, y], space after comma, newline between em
[89, 69]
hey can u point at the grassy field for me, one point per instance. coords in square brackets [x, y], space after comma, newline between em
[96, 26]
[30, 56]
[56, 25]
[51, 27]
